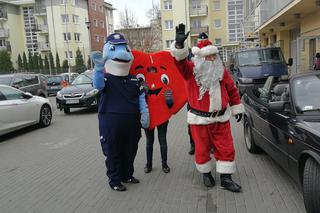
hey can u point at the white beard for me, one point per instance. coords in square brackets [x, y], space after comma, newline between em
[208, 75]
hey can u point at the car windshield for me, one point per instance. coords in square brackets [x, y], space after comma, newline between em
[5, 80]
[55, 79]
[272, 56]
[305, 90]
[259, 56]
[250, 58]
[82, 79]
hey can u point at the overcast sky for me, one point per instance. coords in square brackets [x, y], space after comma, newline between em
[139, 7]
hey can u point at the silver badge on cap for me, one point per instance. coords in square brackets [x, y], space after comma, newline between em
[117, 36]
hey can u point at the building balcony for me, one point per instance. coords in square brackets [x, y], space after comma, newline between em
[6, 48]
[3, 15]
[195, 31]
[42, 28]
[199, 11]
[40, 10]
[4, 33]
[44, 46]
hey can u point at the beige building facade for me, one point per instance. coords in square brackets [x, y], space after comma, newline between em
[293, 25]
[219, 19]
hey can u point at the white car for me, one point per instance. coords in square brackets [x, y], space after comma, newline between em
[19, 109]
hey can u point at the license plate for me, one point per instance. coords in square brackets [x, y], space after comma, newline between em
[72, 101]
[54, 87]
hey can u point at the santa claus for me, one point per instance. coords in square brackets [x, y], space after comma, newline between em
[213, 99]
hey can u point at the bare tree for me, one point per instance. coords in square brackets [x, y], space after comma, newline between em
[127, 19]
[154, 12]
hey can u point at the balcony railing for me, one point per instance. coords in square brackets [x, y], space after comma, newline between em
[3, 14]
[6, 48]
[4, 33]
[40, 10]
[44, 46]
[194, 31]
[42, 28]
[201, 10]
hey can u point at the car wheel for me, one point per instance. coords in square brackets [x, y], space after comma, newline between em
[45, 116]
[66, 110]
[248, 139]
[311, 186]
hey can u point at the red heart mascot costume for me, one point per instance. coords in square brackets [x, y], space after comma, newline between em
[213, 99]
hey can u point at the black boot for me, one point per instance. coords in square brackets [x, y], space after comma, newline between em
[165, 168]
[148, 168]
[229, 184]
[191, 152]
[208, 180]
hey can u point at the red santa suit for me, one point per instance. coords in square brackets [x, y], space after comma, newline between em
[222, 97]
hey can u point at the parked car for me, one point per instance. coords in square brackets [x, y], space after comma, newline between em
[65, 76]
[20, 109]
[253, 66]
[283, 119]
[80, 94]
[36, 84]
[54, 84]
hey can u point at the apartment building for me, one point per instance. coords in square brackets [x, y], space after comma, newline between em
[292, 25]
[59, 26]
[220, 19]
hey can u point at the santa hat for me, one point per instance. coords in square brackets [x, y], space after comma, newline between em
[204, 48]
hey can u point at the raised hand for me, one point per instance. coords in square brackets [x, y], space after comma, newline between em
[180, 35]
[98, 60]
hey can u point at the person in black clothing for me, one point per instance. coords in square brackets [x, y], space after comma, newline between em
[162, 137]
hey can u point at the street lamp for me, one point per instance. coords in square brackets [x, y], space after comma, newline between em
[88, 24]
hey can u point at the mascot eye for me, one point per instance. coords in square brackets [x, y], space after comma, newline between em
[112, 48]
[128, 49]
[165, 79]
[141, 77]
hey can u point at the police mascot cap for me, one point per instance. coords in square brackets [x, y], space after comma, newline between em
[117, 54]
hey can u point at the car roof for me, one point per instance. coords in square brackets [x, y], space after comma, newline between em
[258, 48]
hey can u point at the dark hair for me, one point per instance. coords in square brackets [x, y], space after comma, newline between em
[318, 55]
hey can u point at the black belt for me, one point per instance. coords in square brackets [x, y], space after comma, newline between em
[207, 114]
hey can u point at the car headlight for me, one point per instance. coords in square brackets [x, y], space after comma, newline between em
[59, 95]
[92, 92]
[246, 80]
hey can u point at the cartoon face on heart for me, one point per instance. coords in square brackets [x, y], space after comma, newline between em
[163, 79]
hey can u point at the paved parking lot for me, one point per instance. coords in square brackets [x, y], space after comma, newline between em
[61, 169]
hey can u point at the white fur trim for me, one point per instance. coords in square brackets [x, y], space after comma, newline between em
[199, 120]
[195, 50]
[204, 168]
[179, 54]
[117, 68]
[204, 51]
[226, 167]
[236, 109]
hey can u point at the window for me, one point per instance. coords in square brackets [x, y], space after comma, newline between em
[77, 36]
[167, 5]
[102, 24]
[95, 23]
[169, 25]
[168, 43]
[65, 18]
[196, 23]
[217, 41]
[217, 23]
[75, 19]
[216, 5]
[68, 55]
[11, 94]
[97, 38]
[67, 36]
[94, 6]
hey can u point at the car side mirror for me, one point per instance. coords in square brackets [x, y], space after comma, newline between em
[290, 61]
[280, 106]
[27, 95]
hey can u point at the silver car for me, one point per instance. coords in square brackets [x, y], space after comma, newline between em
[19, 109]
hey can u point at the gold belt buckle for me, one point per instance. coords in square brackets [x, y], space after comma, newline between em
[216, 115]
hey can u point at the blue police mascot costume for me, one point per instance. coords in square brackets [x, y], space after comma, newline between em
[122, 110]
